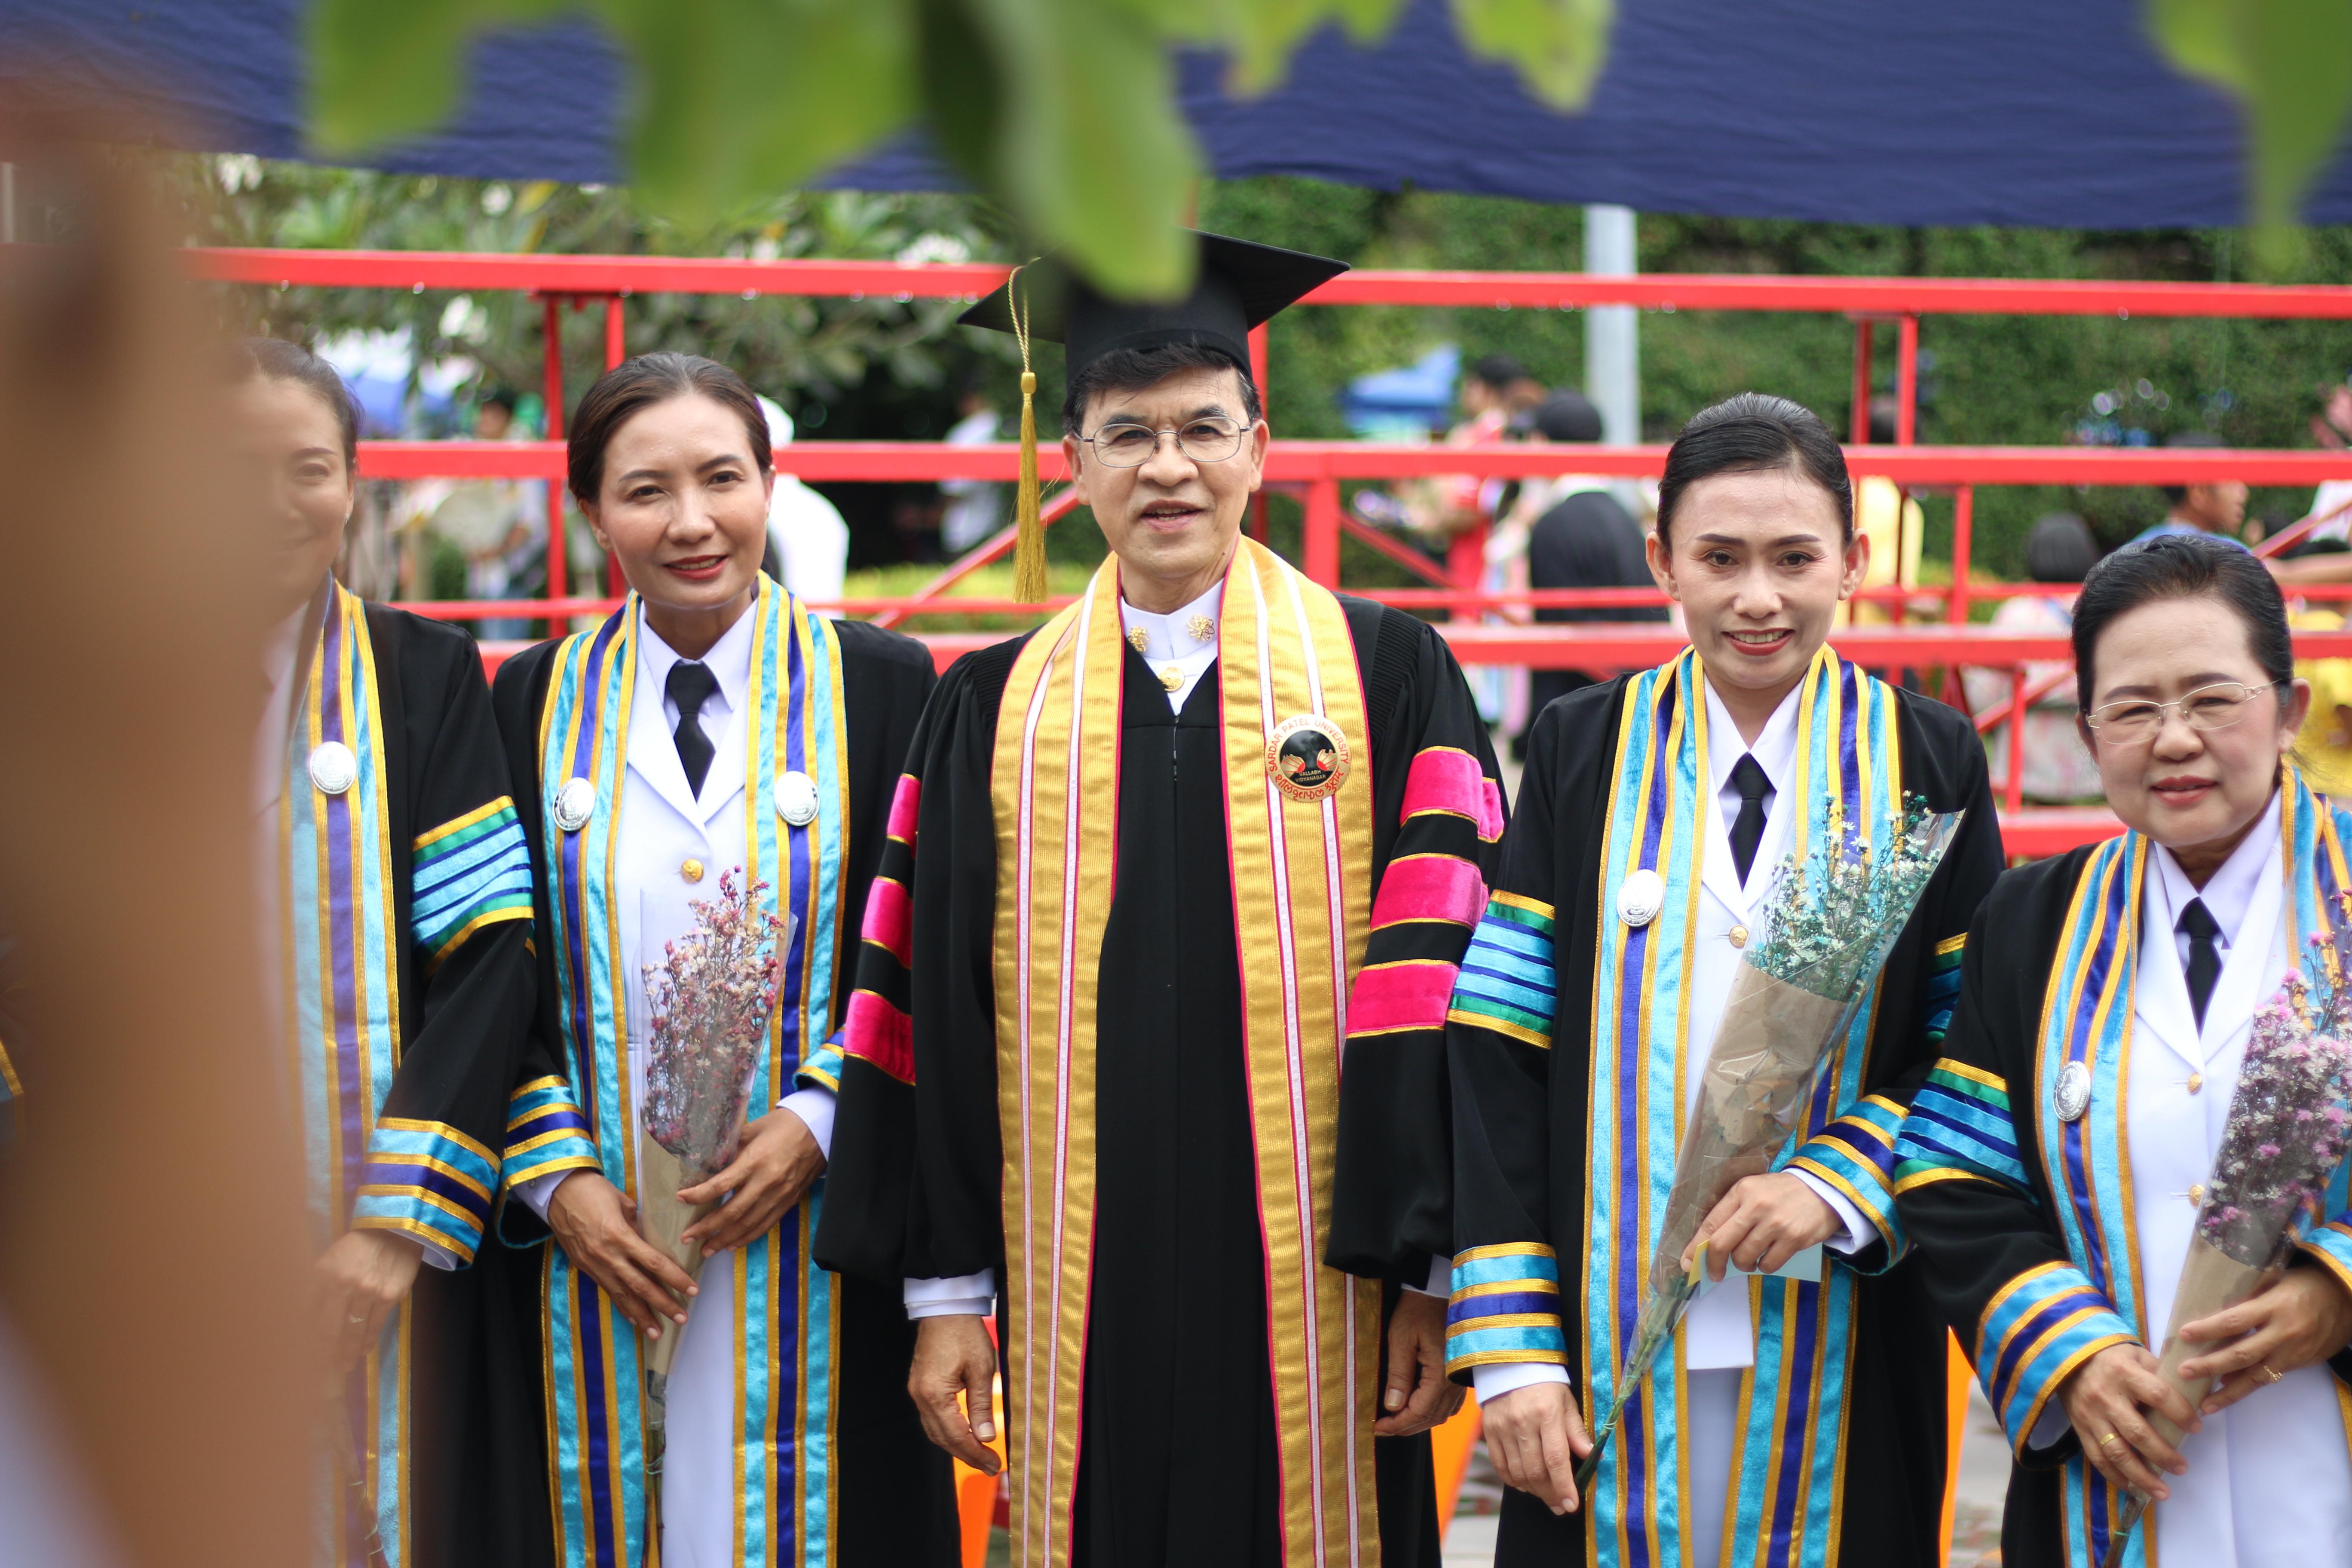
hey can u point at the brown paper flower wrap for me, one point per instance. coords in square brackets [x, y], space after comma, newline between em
[1829, 921]
[711, 998]
[2287, 1131]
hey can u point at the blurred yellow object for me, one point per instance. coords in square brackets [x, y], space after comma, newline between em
[2324, 748]
[1881, 511]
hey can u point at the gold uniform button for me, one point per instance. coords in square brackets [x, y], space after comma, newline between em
[1172, 678]
[1738, 936]
[2196, 1081]
[691, 871]
[2197, 1193]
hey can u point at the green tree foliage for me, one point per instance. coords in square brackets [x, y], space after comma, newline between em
[788, 348]
[880, 368]
[1064, 109]
[1986, 380]
[2289, 65]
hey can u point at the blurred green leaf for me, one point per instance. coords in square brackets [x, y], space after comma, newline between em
[1089, 148]
[740, 99]
[1557, 45]
[2289, 63]
[380, 72]
[1064, 109]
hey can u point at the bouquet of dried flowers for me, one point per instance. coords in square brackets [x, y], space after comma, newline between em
[712, 997]
[1828, 925]
[2290, 1126]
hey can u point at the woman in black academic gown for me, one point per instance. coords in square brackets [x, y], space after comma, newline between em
[1796, 1420]
[403, 926]
[713, 724]
[2055, 1165]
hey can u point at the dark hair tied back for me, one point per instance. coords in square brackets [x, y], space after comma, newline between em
[275, 359]
[634, 386]
[2181, 566]
[1755, 433]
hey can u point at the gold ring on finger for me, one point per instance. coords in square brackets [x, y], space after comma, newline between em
[2110, 1438]
[2270, 1374]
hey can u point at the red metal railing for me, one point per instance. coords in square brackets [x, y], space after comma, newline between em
[1315, 471]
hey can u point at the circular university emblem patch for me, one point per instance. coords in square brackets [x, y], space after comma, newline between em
[1307, 757]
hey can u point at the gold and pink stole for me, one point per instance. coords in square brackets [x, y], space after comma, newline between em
[1302, 874]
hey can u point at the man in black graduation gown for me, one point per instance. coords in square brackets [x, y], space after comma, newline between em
[1168, 1404]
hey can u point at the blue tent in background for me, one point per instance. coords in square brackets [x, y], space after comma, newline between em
[1402, 405]
[2000, 111]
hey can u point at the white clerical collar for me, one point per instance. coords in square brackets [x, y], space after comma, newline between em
[1775, 750]
[730, 660]
[2229, 892]
[1178, 646]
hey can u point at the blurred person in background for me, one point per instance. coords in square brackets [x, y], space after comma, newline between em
[392, 860]
[2216, 508]
[808, 540]
[498, 525]
[1452, 511]
[975, 508]
[2059, 550]
[1893, 523]
[714, 724]
[2332, 501]
[1580, 537]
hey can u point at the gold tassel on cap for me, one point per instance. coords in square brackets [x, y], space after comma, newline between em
[1029, 549]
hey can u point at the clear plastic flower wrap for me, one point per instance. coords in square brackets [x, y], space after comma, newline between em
[1829, 921]
[711, 998]
[2289, 1127]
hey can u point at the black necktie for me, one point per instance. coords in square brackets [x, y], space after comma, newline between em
[690, 686]
[1748, 830]
[2204, 960]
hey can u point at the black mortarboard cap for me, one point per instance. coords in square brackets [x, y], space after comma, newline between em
[1239, 286]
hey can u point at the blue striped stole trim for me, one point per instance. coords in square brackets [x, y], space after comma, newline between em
[1504, 1308]
[1855, 1155]
[468, 874]
[2330, 1245]
[546, 1132]
[2040, 1327]
[1961, 1127]
[427, 1180]
[1942, 992]
[822, 1067]
[1509, 982]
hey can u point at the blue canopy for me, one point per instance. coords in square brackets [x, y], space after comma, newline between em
[2000, 111]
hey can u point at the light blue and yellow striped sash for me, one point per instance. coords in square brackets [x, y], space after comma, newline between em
[787, 1316]
[2045, 1323]
[1789, 1451]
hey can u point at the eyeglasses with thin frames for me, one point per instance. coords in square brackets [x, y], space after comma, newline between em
[1211, 439]
[2214, 707]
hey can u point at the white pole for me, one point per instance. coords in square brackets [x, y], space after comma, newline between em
[7, 204]
[1612, 358]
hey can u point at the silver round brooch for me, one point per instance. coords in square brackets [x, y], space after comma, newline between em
[796, 799]
[575, 803]
[2073, 1094]
[333, 769]
[1640, 897]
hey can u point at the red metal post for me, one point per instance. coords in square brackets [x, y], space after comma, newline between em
[616, 346]
[1964, 506]
[1863, 327]
[1906, 380]
[557, 565]
[2018, 699]
[1322, 541]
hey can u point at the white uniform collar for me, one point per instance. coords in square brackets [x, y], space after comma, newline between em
[730, 660]
[1184, 641]
[2229, 893]
[1775, 750]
